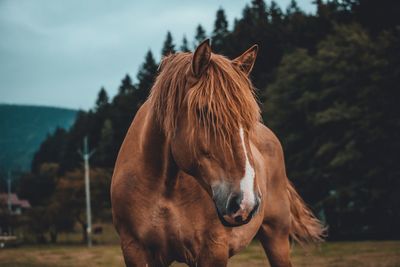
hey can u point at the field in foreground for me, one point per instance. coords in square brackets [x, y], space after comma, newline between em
[343, 254]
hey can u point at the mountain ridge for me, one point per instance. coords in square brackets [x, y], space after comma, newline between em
[24, 128]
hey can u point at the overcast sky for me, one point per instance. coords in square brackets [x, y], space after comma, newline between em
[59, 53]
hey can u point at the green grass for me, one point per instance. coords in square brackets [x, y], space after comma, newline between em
[332, 254]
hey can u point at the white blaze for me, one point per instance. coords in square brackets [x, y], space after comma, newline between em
[247, 182]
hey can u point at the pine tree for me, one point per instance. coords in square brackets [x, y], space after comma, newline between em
[126, 86]
[247, 17]
[146, 75]
[105, 153]
[185, 45]
[292, 8]
[123, 108]
[244, 27]
[259, 10]
[220, 32]
[200, 36]
[169, 47]
[275, 13]
[102, 98]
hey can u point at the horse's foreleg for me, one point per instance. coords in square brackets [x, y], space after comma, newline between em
[134, 256]
[276, 245]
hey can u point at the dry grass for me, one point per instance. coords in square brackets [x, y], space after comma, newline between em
[45, 256]
[333, 254]
[343, 254]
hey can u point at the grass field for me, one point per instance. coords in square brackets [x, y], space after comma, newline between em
[343, 254]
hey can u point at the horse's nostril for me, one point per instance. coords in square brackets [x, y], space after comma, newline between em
[234, 204]
[238, 219]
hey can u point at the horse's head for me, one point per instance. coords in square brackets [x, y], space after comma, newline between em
[210, 127]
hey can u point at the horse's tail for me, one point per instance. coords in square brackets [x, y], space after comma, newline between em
[305, 227]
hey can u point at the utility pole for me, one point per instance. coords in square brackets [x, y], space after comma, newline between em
[86, 156]
[9, 191]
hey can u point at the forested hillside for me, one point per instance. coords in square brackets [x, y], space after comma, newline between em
[24, 128]
[328, 84]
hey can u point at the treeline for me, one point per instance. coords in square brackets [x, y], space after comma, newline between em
[328, 86]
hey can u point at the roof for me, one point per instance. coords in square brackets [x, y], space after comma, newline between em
[15, 201]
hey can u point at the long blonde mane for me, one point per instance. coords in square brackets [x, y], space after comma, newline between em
[220, 102]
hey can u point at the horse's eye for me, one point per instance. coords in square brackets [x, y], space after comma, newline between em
[203, 112]
[207, 154]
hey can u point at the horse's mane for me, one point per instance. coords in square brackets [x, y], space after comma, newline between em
[220, 102]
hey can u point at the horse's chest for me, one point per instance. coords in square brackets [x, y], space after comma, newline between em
[169, 234]
[173, 236]
[183, 230]
[240, 237]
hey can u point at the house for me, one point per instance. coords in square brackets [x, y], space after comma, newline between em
[16, 205]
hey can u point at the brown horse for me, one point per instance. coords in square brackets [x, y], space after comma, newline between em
[199, 176]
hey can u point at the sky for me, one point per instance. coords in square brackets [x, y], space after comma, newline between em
[60, 53]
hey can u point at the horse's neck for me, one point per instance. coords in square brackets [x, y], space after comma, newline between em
[158, 165]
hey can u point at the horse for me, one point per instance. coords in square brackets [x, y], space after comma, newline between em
[198, 175]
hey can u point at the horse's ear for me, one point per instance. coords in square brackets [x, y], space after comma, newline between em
[201, 58]
[247, 59]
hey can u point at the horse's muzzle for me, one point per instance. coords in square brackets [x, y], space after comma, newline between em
[232, 209]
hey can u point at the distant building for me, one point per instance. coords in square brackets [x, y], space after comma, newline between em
[16, 205]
